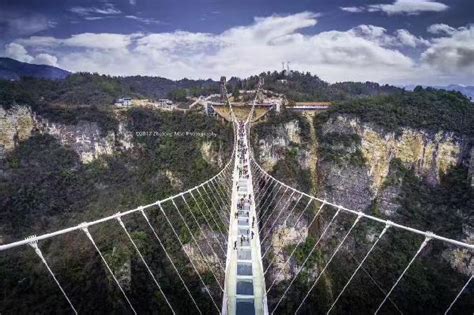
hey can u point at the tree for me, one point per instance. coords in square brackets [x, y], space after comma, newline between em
[236, 93]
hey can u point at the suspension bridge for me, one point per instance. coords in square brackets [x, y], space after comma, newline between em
[249, 208]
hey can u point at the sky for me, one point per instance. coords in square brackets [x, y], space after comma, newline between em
[399, 42]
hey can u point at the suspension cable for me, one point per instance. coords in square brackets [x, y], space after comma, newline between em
[207, 221]
[297, 245]
[119, 219]
[425, 241]
[86, 231]
[359, 266]
[294, 226]
[208, 211]
[376, 219]
[304, 262]
[170, 259]
[279, 214]
[202, 231]
[262, 216]
[38, 252]
[458, 295]
[198, 247]
[270, 195]
[286, 204]
[329, 261]
[189, 257]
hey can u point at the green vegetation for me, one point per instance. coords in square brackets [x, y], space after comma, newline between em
[301, 87]
[429, 109]
[46, 187]
[442, 208]
[86, 89]
[288, 167]
[340, 148]
[431, 282]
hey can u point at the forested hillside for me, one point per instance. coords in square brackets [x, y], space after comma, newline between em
[408, 158]
[45, 186]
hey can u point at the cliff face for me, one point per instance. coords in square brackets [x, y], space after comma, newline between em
[356, 172]
[402, 176]
[428, 155]
[85, 138]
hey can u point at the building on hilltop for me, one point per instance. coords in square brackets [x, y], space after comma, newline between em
[310, 106]
[124, 102]
[165, 103]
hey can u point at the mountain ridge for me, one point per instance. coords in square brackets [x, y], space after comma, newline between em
[11, 69]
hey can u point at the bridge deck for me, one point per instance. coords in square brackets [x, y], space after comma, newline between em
[244, 281]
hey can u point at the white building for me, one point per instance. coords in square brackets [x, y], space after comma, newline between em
[165, 103]
[124, 102]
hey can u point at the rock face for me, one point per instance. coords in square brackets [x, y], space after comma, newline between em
[16, 124]
[85, 138]
[271, 148]
[428, 154]
[355, 169]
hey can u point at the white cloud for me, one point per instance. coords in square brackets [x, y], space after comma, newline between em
[99, 41]
[46, 59]
[401, 37]
[453, 53]
[353, 9]
[441, 28]
[18, 52]
[406, 38]
[365, 52]
[23, 25]
[143, 19]
[106, 9]
[409, 7]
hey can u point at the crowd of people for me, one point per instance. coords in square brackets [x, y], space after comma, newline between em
[244, 203]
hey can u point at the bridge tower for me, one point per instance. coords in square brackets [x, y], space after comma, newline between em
[223, 89]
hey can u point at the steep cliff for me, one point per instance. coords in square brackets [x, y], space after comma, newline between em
[405, 172]
[57, 170]
[86, 138]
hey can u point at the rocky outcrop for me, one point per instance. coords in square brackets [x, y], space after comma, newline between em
[428, 154]
[272, 147]
[16, 124]
[369, 182]
[211, 155]
[85, 138]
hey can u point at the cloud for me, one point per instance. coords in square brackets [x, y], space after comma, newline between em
[365, 52]
[400, 38]
[453, 53]
[106, 9]
[18, 52]
[143, 19]
[22, 25]
[98, 41]
[405, 38]
[441, 28]
[410, 7]
[353, 9]
[102, 41]
[46, 59]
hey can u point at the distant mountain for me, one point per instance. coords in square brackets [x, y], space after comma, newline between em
[464, 89]
[11, 69]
